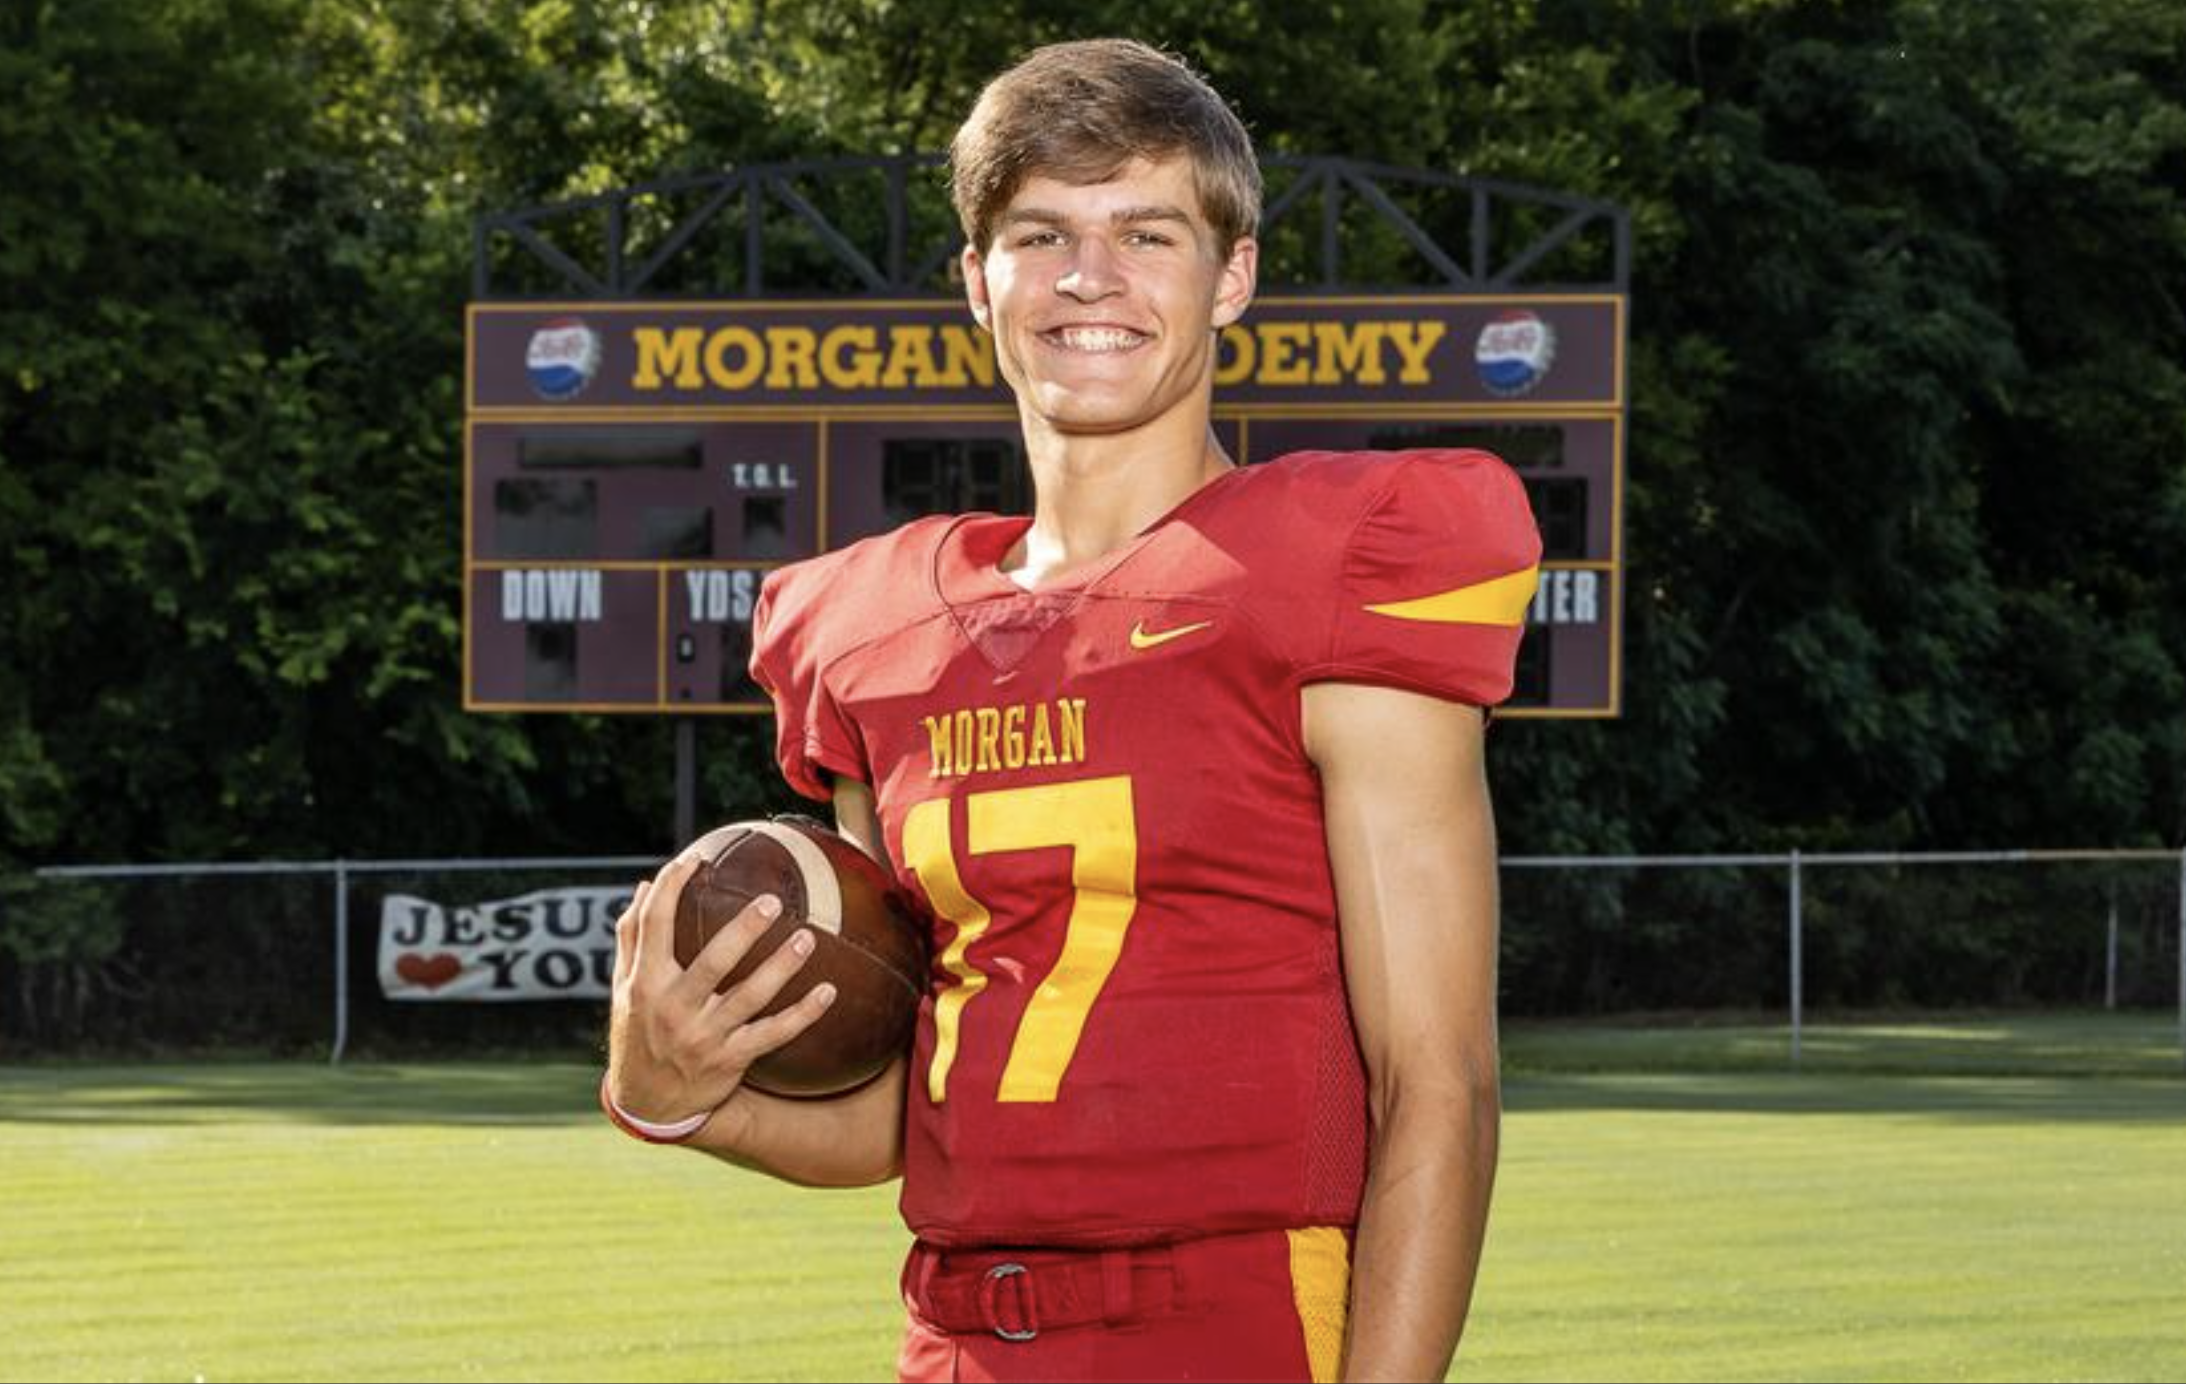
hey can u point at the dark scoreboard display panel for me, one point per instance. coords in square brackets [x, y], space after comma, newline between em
[633, 470]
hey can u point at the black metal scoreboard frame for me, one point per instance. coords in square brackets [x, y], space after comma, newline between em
[635, 462]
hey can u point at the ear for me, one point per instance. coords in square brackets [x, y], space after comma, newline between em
[975, 289]
[1240, 277]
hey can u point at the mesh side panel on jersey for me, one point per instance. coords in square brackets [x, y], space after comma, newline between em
[1336, 1144]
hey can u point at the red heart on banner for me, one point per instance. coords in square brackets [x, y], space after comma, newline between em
[431, 972]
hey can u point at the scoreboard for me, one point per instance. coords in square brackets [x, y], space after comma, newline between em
[633, 469]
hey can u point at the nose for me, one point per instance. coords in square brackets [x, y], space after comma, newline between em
[1093, 273]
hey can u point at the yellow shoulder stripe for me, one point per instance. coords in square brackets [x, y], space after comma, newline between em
[1499, 601]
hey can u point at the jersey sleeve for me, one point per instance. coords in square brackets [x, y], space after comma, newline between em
[814, 737]
[1434, 581]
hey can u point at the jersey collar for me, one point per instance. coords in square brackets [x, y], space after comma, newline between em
[967, 560]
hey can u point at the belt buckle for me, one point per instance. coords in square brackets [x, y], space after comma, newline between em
[990, 1295]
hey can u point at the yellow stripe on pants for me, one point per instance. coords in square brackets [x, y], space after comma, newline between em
[1320, 1282]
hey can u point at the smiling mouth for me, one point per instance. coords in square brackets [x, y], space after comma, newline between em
[1095, 340]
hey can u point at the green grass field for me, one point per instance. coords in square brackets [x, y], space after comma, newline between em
[1672, 1205]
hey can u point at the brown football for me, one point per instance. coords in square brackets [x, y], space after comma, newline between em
[871, 946]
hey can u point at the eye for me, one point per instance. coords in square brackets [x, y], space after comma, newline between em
[1038, 239]
[1148, 238]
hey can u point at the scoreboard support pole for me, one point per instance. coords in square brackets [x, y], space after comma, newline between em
[1798, 959]
[341, 962]
[686, 782]
[2110, 955]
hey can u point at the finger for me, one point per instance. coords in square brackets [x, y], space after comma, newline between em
[725, 950]
[755, 1040]
[636, 914]
[626, 937]
[657, 913]
[756, 991]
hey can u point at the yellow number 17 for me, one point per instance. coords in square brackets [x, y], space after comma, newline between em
[1094, 818]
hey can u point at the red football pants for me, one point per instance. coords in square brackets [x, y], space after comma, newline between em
[1266, 1305]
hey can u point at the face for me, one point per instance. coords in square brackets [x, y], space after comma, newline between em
[1105, 300]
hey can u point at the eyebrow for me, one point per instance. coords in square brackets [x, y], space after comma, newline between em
[1122, 216]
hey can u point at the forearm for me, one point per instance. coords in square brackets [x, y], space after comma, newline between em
[854, 1140]
[1421, 1229]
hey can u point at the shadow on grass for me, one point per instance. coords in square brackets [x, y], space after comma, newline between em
[2048, 1066]
[467, 1094]
[1998, 1100]
[2131, 1044]
[2016, 1067]
[562, 1094]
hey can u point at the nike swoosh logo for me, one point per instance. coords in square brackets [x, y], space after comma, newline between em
[1140, 639]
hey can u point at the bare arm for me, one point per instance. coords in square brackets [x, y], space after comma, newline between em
[1411, 838]
[676, 1051]
[853, 1140]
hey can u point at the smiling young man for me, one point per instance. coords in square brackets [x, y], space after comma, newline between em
[1189, 769]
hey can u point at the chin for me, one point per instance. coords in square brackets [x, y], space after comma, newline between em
[1073, 411]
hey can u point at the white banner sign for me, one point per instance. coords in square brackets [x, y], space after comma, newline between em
[557, 944]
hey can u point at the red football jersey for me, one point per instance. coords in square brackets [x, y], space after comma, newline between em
[1138, 1029]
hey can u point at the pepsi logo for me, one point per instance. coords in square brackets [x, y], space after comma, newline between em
[1514, 352]
[563, 357]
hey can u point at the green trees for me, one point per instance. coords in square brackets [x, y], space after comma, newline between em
[1908, 455]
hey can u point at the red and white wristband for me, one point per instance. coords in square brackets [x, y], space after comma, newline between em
[678, 1133]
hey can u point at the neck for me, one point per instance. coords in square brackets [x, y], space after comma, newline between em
[1095, 492]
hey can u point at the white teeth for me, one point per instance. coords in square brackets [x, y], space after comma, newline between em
[1097, 339]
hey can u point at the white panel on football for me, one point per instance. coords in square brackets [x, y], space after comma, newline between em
[823, 892]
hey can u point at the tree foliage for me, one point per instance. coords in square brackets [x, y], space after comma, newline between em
[1906, 500]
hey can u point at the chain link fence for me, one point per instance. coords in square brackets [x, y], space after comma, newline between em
[287, 958]
[1861, 937]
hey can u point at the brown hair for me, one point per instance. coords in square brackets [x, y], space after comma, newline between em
[1079, 112]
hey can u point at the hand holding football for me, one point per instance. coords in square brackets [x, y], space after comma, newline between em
[870, 945]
